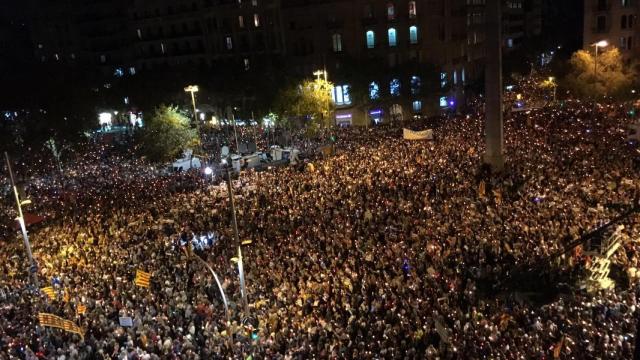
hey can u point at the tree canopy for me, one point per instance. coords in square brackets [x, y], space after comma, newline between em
[612, 76]
[311, 98]
[166, 133]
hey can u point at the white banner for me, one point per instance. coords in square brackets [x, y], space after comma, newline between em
[417, 135]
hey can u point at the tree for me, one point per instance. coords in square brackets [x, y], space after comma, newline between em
[310, 99]
[166, 133]
[613, 77]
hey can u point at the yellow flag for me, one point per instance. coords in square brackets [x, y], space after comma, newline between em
[51, 293]
[481, 189]
[81, 309]
[142, 278]
[558, 348]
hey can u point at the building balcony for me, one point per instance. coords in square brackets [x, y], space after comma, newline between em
[602, 30]
[601, 7]
[369, 21]
[335, 24]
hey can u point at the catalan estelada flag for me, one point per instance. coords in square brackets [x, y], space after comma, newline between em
[142, 278]
[81, 309]
[51, 293]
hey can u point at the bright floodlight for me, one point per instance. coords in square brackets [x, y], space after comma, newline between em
[602, 43]
[208, 171]
[105, 118]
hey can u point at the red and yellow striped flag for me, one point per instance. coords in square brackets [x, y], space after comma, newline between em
[142, 278]
[81, 309]
[66, 297]
[51, 293]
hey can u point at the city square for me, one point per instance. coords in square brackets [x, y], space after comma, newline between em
[332, 217]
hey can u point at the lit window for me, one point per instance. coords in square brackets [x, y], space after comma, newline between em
[118, 73]
[256, 20]
[132, 70]
[241, 21]
[162, 49]
[464, 76]
[73, 56]
[103, 59]
[56, 56]
[254, 2]
[392, 36]
[139, 32]
[455, 77]
[443, 101]
[443, 79]
[374, 91]
[39, 46]
[417, 106]
[246, 64]
[394, 87]
[412, 9]
[391, 11]
[341, 95]
[228, 43]
[413, 34]
[509, 42]
[337, 42]
[126, 100]
[416, 84]
[371, 39]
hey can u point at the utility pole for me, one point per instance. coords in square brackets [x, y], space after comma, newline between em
[494, 155]
[33, 269]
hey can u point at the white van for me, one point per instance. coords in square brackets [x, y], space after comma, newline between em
[186, 163]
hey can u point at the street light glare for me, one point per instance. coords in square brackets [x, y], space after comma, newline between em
[208, 171]
[602, 43]
[191, 88]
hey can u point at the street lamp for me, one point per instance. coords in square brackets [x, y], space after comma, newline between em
[194, 89]
[33, 269]
[243, 290]
[209, 172]
[552, 81]
[599, 44]
[319, 73]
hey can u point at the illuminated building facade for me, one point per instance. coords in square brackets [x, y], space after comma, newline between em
[614, 21]
[425, 51]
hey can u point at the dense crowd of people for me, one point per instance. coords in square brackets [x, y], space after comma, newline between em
[382, 251]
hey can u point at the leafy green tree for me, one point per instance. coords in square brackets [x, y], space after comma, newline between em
[613, 77]
[166, 134]
[311, 98]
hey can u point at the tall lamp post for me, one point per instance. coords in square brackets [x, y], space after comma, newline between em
[599, 44]
[318, 74]
[32, 268]
[194, 89]
[552, 82]
[243, 290]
